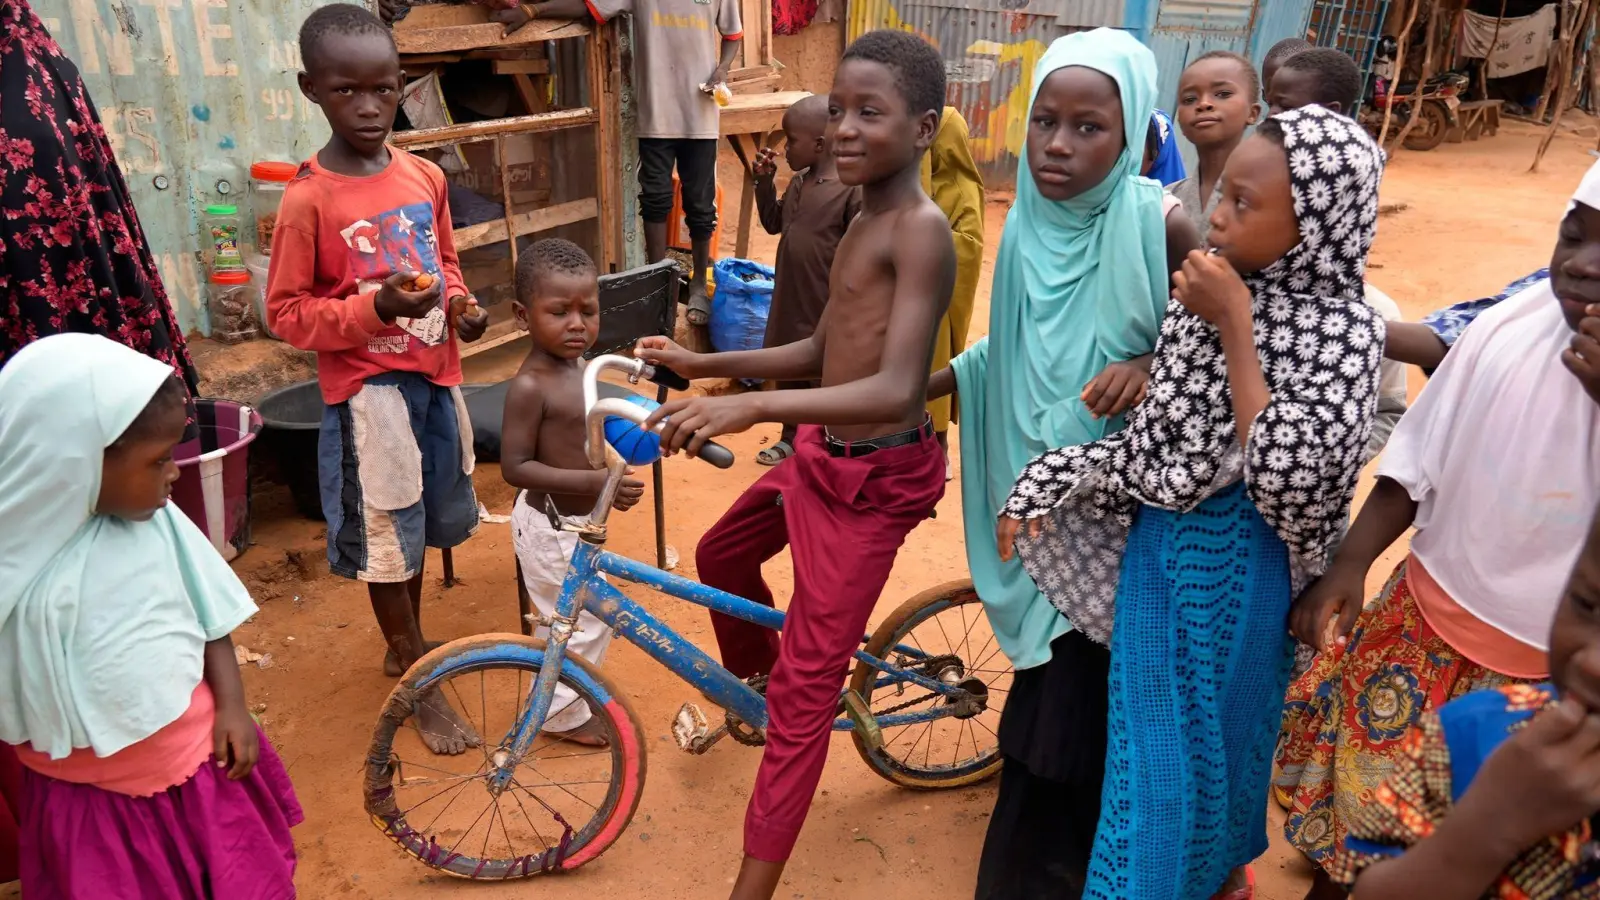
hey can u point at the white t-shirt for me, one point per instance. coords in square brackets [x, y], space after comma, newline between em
[1501, 451]
[677, 43]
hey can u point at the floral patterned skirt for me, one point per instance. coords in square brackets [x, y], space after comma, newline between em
[1346, 718]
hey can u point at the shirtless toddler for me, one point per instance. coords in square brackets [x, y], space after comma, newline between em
[542, 449]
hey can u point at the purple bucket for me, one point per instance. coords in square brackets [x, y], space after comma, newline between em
[213, 486]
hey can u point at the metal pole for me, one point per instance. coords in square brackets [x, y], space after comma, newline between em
[661, 511]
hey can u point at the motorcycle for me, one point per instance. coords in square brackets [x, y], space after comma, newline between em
[1441, 100]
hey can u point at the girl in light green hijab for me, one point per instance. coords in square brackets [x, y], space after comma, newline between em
[118, 683]
[1080, 288]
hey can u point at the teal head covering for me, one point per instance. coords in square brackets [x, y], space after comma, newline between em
[103, 622]
[1078, 284]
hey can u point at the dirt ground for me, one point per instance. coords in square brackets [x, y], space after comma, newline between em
[1469, 220]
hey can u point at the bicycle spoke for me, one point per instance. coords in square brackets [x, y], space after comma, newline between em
[428, 829]
[474, 824]
[531, 824]
[549, 783]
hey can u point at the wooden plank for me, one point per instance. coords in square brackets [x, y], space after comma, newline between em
[483, 36]
[499, 334]
[604, 69]
[757, 113]
[424, 138]
[521, 66]
[761, 80]
[532, 97]
[526, 223]
[417, 59]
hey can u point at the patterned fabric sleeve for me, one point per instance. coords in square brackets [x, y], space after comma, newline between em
[1307, 446]
[1404, 810]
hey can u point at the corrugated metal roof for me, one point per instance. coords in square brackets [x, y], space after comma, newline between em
[1207, 15]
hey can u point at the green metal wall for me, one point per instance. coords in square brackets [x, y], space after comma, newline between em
[191, 92]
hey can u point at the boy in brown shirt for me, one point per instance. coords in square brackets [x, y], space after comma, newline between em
[812, 217]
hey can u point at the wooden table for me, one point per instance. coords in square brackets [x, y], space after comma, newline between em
[752, 122]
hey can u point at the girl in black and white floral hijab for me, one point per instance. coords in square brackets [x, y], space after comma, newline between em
[1192, 529]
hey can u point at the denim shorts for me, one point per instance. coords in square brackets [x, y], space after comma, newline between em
[395, 465]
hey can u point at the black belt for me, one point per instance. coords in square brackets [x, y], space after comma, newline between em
[851, 449]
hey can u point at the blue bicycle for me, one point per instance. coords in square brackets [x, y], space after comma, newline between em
[923, 702]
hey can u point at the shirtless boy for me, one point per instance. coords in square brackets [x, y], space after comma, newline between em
[541, 451]
[860, 482]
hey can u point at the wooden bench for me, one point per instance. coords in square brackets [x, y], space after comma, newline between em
[1477, 119]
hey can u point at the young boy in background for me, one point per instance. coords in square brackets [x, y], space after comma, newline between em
[1494, 795]
[542, 449]
[1320, 75]
[812, 217]
[366, 275]
[1279, 52]
[856, 486]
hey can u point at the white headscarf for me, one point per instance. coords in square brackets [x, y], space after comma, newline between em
[103, 622]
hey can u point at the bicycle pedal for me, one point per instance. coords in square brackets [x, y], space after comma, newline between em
[866, 723]
[692, 732]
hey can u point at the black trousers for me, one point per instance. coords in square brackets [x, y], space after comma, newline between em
[696, 161]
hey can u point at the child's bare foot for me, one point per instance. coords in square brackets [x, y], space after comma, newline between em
[442, 728]
[391, 663]
[589, 734]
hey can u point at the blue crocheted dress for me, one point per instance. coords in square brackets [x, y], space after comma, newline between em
[1201, 605]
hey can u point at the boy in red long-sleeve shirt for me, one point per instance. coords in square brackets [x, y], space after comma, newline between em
[364, 272]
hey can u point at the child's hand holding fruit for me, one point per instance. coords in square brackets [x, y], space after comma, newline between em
[766, 164]
[471, 319]
[407, 295]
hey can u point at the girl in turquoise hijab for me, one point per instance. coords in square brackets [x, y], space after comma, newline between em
[118, 682]
[1080, 289]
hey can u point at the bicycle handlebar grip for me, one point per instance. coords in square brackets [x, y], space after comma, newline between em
[716, 454]
[669, 379]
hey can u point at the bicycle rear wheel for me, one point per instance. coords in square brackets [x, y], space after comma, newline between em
[565, 803]
[941, 633]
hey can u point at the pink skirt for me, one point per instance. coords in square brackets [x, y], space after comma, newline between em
[206, 838]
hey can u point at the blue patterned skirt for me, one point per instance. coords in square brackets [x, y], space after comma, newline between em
[1200, 659]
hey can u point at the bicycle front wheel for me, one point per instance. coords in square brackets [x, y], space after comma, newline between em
[943, 634]
[564, 803]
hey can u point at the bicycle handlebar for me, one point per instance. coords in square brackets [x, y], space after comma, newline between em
[597, 410]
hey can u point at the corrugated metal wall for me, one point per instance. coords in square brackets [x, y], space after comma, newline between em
[191, 93]
[991, 46]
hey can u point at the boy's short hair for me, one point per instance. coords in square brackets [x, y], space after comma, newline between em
[337, 18]
[1284, 49]
[547, 256]
[1338, 79]
[1252, 78]
[918, 69]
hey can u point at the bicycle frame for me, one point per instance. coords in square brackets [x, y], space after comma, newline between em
[586, 589]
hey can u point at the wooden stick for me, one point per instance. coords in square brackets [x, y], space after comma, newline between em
[1399, 67]
[1571, 74]
[1423, 76]
[505, 201]
[1555, 75]
[1483, 70]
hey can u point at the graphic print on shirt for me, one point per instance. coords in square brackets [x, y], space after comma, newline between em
[400, 240]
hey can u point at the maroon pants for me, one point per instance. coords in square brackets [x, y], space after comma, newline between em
[844, 520]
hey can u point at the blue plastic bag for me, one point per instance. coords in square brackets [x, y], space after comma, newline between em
[739, 308]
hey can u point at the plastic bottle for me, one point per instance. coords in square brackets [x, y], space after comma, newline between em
[221, 225]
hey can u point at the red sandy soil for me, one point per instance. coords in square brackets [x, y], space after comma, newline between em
[1472, 220]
